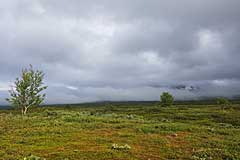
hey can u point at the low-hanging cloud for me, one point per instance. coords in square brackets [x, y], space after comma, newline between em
[123, 50]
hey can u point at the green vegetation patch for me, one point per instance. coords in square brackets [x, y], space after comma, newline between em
[138, 131]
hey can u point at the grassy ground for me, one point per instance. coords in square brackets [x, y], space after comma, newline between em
[198, 132]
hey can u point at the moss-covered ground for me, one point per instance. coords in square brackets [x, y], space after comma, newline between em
[198, 132]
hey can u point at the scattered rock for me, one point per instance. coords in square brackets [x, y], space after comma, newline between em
[174, 135]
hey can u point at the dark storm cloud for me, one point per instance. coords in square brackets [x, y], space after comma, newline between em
[123, 50]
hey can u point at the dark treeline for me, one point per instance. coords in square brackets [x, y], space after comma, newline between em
[128, 103]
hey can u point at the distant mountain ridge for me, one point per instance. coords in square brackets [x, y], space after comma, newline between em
[4, 107]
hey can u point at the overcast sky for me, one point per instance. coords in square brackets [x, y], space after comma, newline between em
[96, 50]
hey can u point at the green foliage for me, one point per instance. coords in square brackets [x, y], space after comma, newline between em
[26, 90]
[166, 99]
[223, 102]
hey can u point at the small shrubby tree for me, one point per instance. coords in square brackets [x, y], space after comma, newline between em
[166, 99]
[222, 102]
[25, 93]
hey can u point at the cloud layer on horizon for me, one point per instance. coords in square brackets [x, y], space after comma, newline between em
[123, 50]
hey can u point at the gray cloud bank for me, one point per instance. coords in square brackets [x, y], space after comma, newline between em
[123, 50]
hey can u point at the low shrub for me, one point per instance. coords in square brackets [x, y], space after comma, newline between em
[32, 157]
[119, 147]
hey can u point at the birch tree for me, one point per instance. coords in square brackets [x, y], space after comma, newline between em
[26, 91]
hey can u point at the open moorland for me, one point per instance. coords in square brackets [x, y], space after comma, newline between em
[121, 131]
